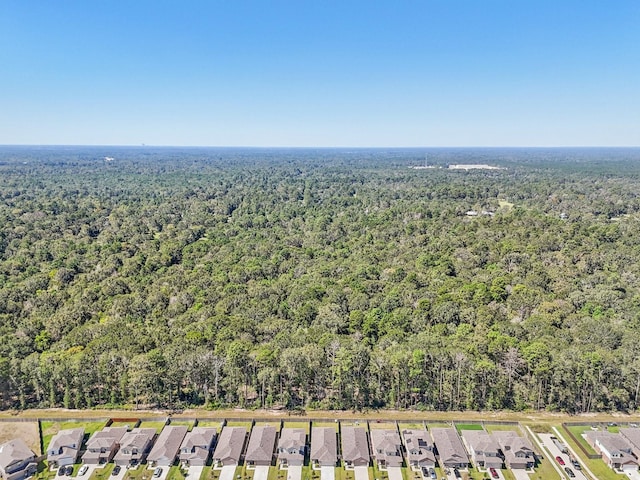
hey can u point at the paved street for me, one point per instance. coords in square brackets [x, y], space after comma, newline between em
[555, 452]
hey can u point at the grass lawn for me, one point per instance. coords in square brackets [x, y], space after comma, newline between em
[411, 426]
[438, 425]
[515, 427]
[468, 426]
[157, 425]
[49, 429]
[246, 425]
[326, 424]
[185, 423]
[303, 425]
[217, 424]
[102, 473]
[577, 431]
[377, 425]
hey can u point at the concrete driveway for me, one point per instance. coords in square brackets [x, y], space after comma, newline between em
[293, 472]
[361, 473]
[163, 475]
[520, 474]
[395, 473]
[635, 475]
[326, 473]
[227, 472]
[194, 472]
[555, 453]
[261, 472]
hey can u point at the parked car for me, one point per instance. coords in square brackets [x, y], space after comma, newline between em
[61, 471]
[425, 472]
[432, 474]
[569, 472]
[576, 465]
[116, 470]
[560, 460]
[68, 470]
[83, 469]
[456, 472]
[493, 473]
[157, 472]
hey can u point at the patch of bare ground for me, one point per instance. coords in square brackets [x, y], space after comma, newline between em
[27, 431]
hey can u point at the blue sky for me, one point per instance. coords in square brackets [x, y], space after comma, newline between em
[320, 73]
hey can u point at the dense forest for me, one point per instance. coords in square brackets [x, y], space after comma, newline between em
[334, 279]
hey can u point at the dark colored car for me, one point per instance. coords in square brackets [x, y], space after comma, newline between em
[425, 472]
[68, 470]
[61, 471]
[116, 470]
[456, 472]
[560, 460]
[576, 465]
[493, 473]
[569, 472]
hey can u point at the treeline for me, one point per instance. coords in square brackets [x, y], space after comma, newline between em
[319, 279]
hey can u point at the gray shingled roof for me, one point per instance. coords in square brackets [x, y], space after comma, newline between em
[14, 451]
[386, 447]
[419, 446]
[355, 446]
[230, 444]
[107, 438]
[167, 444]
[450, 448]
[324, 445]
[261, 444]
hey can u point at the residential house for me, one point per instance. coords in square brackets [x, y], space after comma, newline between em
[134, 446]
[386, 448]
[632, 435]
[17, 461]
[615, 450]
[420, 449]
[324, 447]
[292, 447]
[449, 448]
[196, 446]
[166, 447]
[261, 446]
[103, 445]
[355, 447]
[230, 446]
[64, 447]
[517, 451]
[483, 449]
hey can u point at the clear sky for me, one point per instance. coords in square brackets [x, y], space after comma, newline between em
[320, 72]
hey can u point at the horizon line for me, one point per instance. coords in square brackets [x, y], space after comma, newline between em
[311, 146]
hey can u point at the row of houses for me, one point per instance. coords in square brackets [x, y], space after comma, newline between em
[621, 451]
[266, 445]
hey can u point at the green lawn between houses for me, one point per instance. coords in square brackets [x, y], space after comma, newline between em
[49, 429]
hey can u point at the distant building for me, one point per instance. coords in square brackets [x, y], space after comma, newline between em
[483, 449]
[517, 451]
